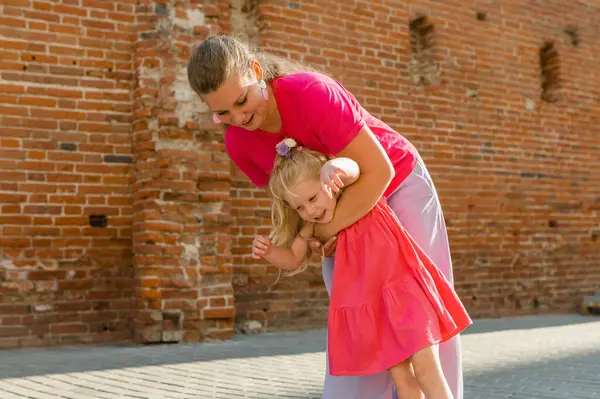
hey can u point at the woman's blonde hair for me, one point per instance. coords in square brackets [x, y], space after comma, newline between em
[300, 165]
[216, 58]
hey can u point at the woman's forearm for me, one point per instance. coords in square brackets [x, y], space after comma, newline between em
[358, 200]
[376, 173]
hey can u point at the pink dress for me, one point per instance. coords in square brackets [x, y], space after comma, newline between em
[388, 299]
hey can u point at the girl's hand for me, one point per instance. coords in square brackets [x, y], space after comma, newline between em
[330, 178]
[260, 247]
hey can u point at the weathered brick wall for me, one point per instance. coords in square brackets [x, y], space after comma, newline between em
[181, 183]
[97, 120]
[65, 155]
[517, 175]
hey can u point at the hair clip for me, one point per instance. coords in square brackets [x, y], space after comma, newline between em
[284, 147]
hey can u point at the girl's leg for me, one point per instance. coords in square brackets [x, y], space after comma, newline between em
[418, 208]
[405, 381]
[428, 373]
[376, 386]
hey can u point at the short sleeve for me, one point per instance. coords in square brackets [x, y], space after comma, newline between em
[258, 177]
[333, 114]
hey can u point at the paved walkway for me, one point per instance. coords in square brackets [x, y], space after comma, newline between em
[556, 357]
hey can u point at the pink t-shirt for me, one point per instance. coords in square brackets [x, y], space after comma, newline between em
[319, 113]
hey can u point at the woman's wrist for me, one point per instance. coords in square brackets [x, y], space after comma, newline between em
[326, 230]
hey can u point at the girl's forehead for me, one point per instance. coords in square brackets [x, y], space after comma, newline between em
[301, 191]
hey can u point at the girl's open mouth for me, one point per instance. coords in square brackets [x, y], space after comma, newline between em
[321, 216]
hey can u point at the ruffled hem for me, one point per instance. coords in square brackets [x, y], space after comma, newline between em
[375, 336]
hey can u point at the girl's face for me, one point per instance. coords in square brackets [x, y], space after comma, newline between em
[307, 198]
[238, 102]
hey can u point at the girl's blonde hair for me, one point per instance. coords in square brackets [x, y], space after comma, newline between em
[300, 165]
[216, 58]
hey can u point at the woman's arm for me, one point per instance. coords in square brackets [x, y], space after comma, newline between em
[376, 173]
[336, 118]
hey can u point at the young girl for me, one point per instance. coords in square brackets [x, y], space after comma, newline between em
[390, 306]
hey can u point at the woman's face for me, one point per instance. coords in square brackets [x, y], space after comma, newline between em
[238, 102]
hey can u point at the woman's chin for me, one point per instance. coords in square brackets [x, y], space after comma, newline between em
[253, 124]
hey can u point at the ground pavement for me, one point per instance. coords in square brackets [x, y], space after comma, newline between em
[550, 357]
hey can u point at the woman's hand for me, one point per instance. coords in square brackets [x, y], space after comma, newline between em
[328, 247]
[331, 181]
[323, 235]
[308, 233]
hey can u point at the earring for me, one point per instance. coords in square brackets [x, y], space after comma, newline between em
[215, 118]
[263, 89]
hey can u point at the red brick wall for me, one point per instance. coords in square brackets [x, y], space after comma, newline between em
[181, 183]
[517, 176]
[65, 154]
[97, 118]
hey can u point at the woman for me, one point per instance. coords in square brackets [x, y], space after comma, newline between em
[263, 98]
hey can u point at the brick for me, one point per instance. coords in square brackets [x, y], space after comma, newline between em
[13, 332]
[8, 143]
[48, 210]
[92, 4]
[65, 9]
[62, 93]
[218, 313]
[6, 110]
[35, 25]
[14, 22]
[11, 209]
[39, 166]
[12, 198]
[68, 329]
[41, 15]
[14, 309]
[37, 102]
[6, 88]
[17, 3]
